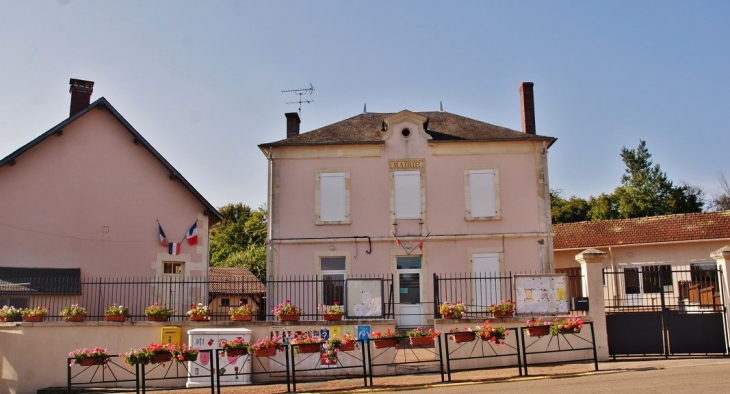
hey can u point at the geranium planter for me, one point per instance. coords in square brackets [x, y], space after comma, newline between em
[237, 352]
[538, 331]
[33, 319]
[89, 361]
[498, 314]
[284, 317]
[265, 352]
[332, 316]
[347, 347]
[242, 317]
[74, 319]
[450, 316]
[161, 358]
[569, 331]
[384, 343]
[115, 318]
[158, 318]
[5, 319]
[309, 348]
[463, 337]
[198, 318]
[421, 341]
[190, 357]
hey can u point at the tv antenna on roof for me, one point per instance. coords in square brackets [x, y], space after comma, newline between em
[301, 92]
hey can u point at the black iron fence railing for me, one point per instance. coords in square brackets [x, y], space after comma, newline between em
[654, 288]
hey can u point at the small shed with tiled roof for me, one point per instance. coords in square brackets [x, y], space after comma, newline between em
[230, 286]
[677, 239]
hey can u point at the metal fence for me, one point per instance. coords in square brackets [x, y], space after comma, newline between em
[651, 288]
[480, 290]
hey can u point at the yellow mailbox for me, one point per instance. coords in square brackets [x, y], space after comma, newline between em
[171, 335]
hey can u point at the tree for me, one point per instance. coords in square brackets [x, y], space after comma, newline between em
[646, 191]
[721, 202]
[239, 240]
[574, 209]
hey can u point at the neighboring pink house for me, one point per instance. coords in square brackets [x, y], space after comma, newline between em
[409, 194]
[86, 195]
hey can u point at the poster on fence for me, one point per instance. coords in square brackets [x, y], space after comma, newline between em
[541, 293]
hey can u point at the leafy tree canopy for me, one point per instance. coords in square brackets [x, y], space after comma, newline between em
[644, 191]
[239, 240]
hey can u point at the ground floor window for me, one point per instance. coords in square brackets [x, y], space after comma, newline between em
[333, 274]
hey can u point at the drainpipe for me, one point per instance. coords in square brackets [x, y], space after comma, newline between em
[270, 216]
[548, 218]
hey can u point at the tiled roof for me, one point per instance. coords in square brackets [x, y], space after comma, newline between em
[234, 281]
[656, 229]
[442, 126]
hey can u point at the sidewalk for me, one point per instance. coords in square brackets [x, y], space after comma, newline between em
[420, 382]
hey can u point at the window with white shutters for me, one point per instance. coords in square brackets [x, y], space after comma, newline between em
[482, 202]
[332, 198]
[407, 193]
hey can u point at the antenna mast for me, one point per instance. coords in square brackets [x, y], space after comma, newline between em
[301, 92]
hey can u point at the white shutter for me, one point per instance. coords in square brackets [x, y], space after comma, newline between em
[407, 190]
[332, 196]
[482, 199]
[487, 287]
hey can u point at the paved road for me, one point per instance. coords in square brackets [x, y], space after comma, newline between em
[700, 376]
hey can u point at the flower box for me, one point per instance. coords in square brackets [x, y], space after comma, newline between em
[74, 319]
[161, 358]
[284, 317]
[570, 331]
[347, 347]
[463, 337]
[498, 314]
[332, 316]
[190, 357]
[115, 318]
[309, 347]
[89, 361]
[157, 318]
[33, 319]
[537, 331]
[198, 318]
[265, 352]
[385, 343]
[241, 317]
[450, 316]
[421, 341]
[237, 352]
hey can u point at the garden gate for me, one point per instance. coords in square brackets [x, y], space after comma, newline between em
[663, 310]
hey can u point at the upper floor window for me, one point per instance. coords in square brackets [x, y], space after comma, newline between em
[482, 194]
[333, 197]
[407, 194]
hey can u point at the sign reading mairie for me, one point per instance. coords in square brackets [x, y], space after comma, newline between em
[406, 164]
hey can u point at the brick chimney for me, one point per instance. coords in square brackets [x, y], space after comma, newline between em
[527, 99]
[292, 124]
[80, 95]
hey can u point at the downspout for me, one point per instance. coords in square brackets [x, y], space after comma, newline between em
[269, 230]
[548, 217]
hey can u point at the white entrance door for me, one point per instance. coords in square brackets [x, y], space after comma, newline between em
[487, 288]
[409, 312]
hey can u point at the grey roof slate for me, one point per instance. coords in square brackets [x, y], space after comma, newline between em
[367, 128]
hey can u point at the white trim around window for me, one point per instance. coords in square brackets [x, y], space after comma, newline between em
[332, 196]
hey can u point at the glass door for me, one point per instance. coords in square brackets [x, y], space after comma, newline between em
[408, 297]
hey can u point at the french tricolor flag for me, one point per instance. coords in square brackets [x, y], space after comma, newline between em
[173, 248]
[192, 235]
[163, 238]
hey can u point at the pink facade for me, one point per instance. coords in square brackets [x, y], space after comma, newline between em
[383, 168]
[87, 195]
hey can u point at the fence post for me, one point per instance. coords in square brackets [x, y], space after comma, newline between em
[591, 267]
[722, 257]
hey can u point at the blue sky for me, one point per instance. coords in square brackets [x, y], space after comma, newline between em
[201, 81]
